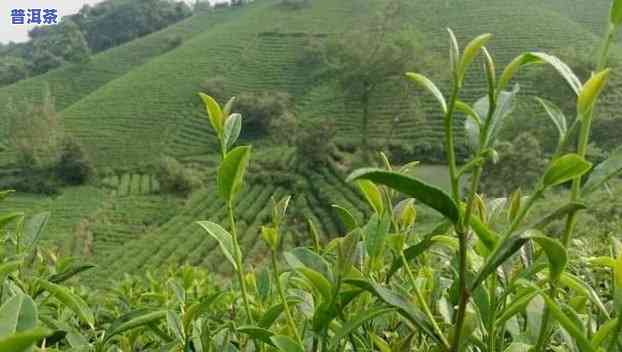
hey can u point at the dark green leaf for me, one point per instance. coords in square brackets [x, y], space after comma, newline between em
[504, 250]
[427, 194]
[555, 252]
[257, 333]
[377, 229]
[18, 314]
[355, 322]
[70, 300]
[567, 323]
[135, 322]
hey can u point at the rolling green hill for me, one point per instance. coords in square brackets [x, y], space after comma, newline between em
[132, 104]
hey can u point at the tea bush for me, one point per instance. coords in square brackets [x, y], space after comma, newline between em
[490, 276]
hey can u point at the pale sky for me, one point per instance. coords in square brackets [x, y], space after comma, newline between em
[19, 33]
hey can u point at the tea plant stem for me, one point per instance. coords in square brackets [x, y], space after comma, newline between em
[492, 288]
[288, 313]
[239, 263]
[449, 143]
[424, 305]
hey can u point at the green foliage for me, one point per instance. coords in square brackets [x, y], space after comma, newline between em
[173, 177]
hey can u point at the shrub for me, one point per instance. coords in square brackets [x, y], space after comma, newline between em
[73, 167]
[260, 110]
[315, 143]
[174, 178]
[215, 86]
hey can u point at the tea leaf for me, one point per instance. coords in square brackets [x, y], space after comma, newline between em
[617, 273]
[454, 52]
[396, 300]
[226, 111]
[33, 228]
[517, 305]
[273, 313]
[556, 115]
[505, 106]
[224, 239]
[257, 333]
[555, 252]
[427, 194]
[431, 87]
[603, 172]
[470, 52]
[318, 281]
[286, 344]
[590, 92]
[302, 256]
[214, 112]
[536, 57]
[504, 250]
[231, 172]
[469, 112]
[372, 194]
[70, 272]
[174, 324]
[17, 314]
[603, 332]
[233, 127]
[23, 341]
[135, 322]
[515, 205]
[348, 220]
[575, 331]
[70, 300]
[355, 322]
[377, 229]
[580, 287]
[564, 169]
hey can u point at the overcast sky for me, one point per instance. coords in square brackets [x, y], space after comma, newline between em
[19, 33]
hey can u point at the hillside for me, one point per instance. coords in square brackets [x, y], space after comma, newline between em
[132, 104]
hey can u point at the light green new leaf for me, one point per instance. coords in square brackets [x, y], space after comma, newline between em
[564, 169]
[427, 194]
[556, 115]
[214, 112]
[224, 239]
[17, 314]
[231, 172]
[377, 230]
[555, 252]
[233, 127]
[430, 86]
[569, 325]
[470, 52]
[135, 322]
[604, 171]
[454, 52]
[590, 92]
[22, 341]
[346, 217]
[226, 111]
[286, 344]
[372, 194]
[355, 322]
[70, 300]
[469, 112]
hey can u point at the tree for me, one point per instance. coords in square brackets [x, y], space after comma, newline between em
[364, 59]
[53, 46]
[12, 69]
[73, 167]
